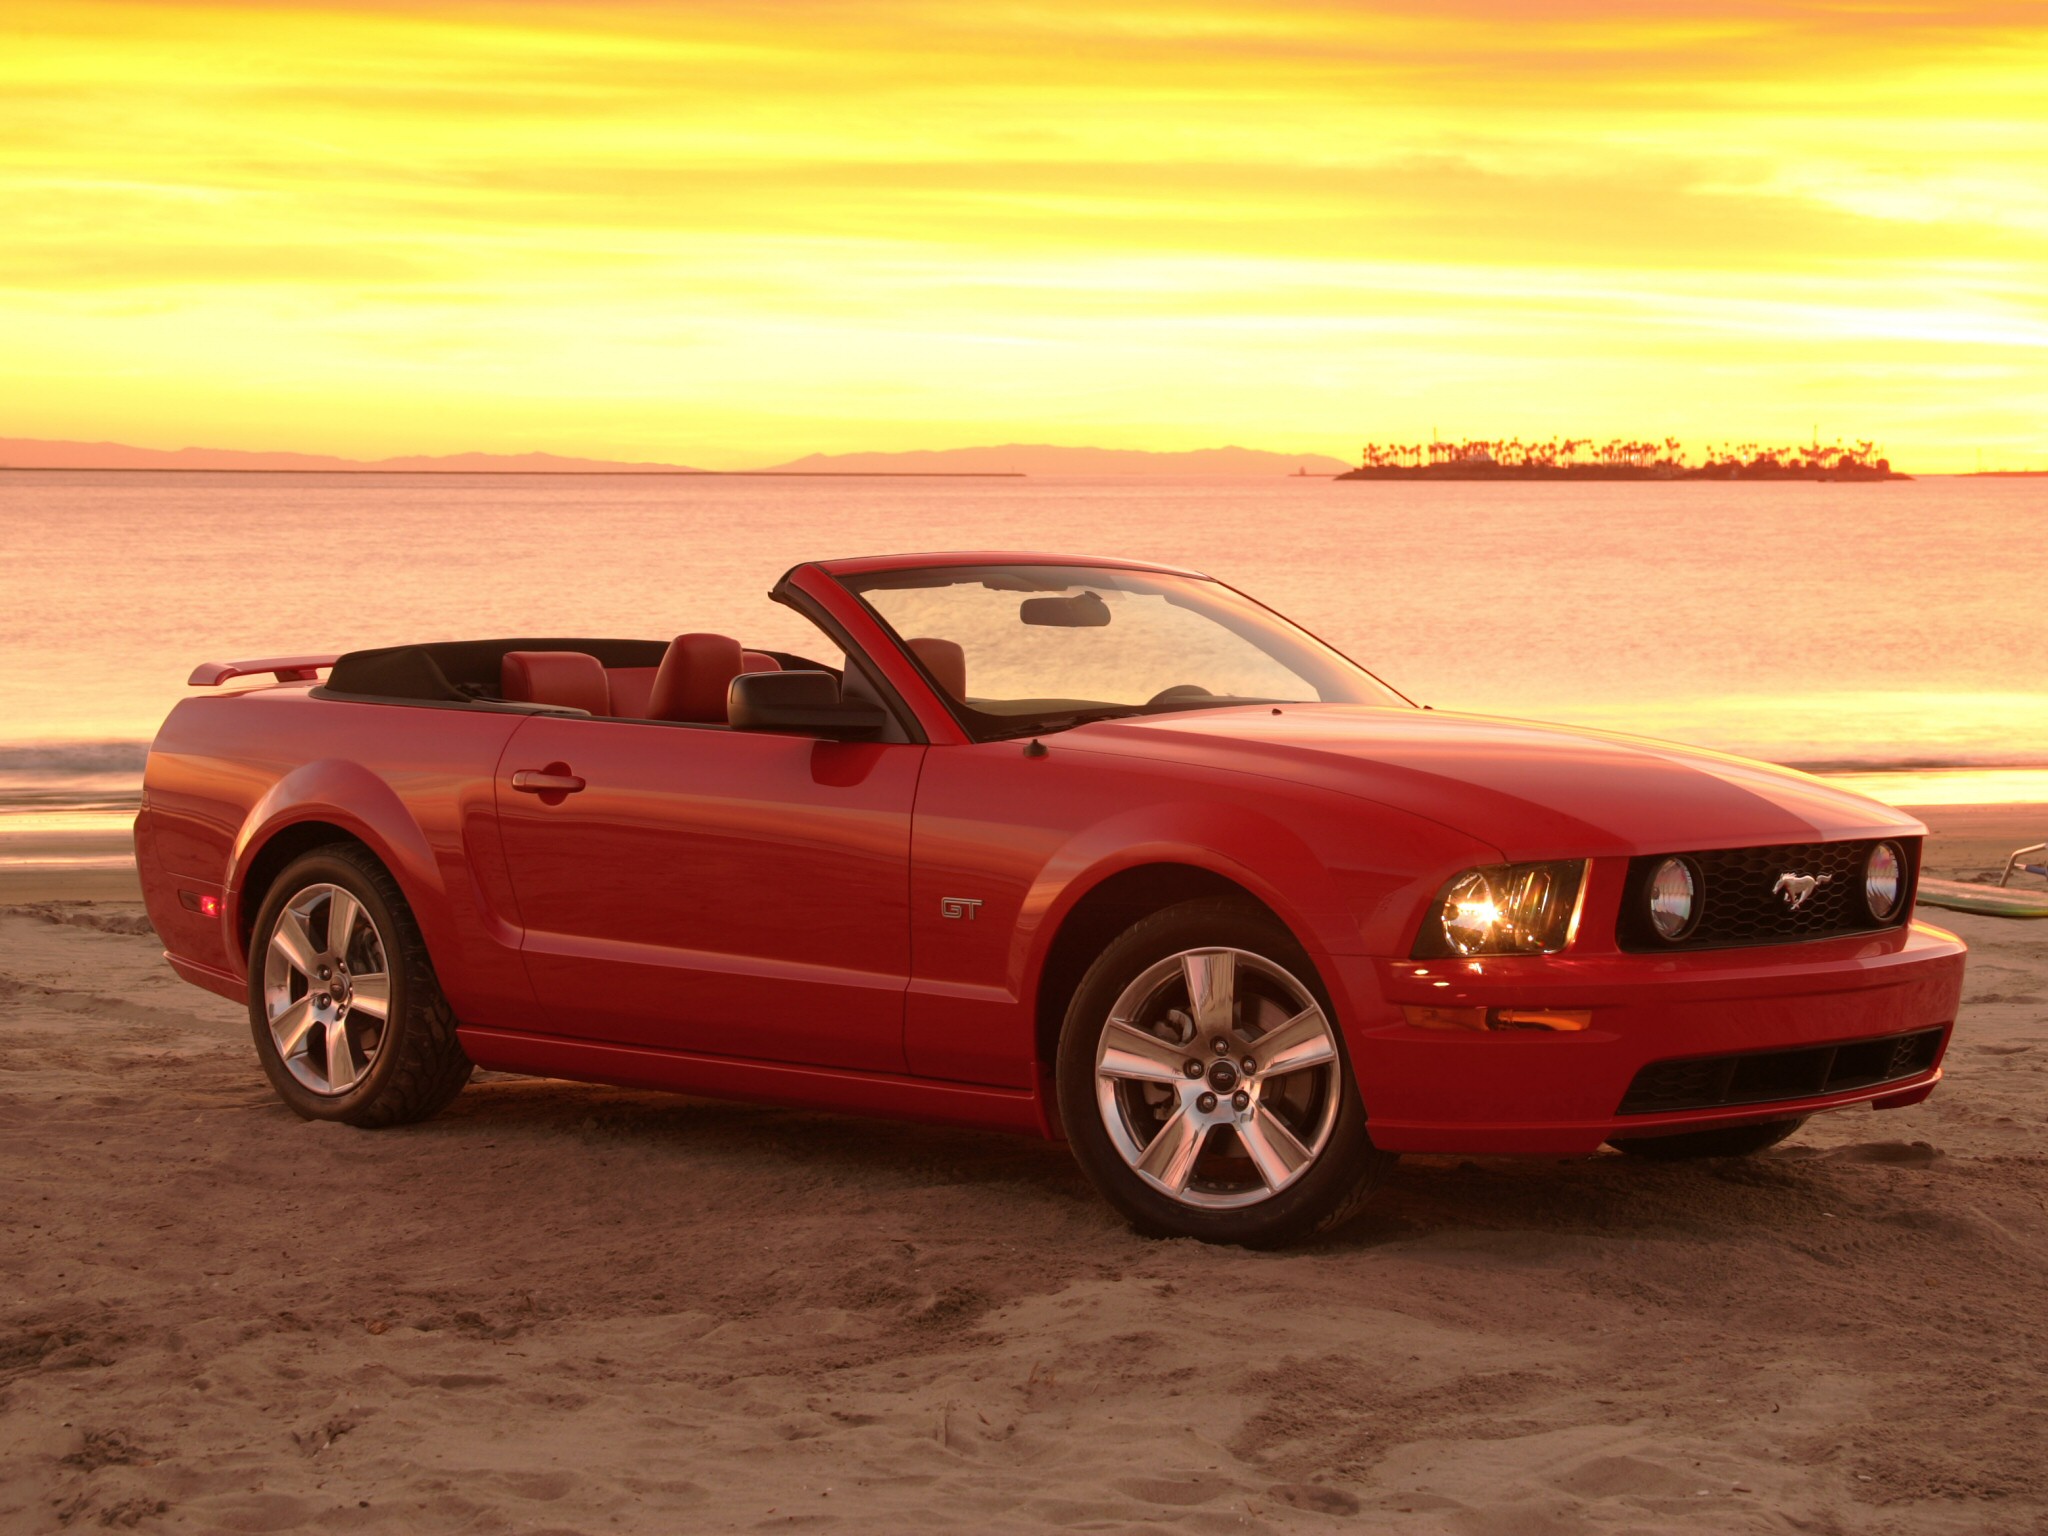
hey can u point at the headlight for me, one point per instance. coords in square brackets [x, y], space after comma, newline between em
[1504, 909]
[1674, 899]
[1884, 881]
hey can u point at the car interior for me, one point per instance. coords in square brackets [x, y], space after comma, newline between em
[685, 681]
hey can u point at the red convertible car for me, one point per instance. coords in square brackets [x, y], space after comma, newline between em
[1090, 849]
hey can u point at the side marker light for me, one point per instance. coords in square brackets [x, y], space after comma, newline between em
[1484, 1020]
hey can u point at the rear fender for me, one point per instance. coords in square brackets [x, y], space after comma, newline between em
[351, 797]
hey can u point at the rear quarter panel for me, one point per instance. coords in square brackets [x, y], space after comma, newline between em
[229, 773]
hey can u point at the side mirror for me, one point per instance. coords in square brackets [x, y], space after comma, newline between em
[799, 704]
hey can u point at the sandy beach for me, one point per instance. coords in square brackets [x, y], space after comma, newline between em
[569, 1309]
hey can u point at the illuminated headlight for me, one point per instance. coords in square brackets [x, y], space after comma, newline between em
[1504, 909]
[1884, 881]
[1674, 899]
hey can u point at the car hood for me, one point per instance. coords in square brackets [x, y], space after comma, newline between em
[1534, 791]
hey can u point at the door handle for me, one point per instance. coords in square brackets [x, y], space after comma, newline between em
[552, 780]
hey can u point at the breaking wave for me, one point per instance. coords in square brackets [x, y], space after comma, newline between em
[67, 759]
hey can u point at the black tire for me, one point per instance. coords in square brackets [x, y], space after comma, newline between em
[1723, 1141]
[1323, 1194]
[413, 1065]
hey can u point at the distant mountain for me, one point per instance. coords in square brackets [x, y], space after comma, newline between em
[1011, 459]
[35, 453]
[1047, 459]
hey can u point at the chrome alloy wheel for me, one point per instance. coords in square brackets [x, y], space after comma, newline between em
[1217, 1077]
[326, 988]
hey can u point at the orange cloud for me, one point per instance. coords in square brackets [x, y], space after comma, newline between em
[729, 231]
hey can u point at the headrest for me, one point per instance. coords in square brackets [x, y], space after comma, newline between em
[758, 661]
[946, 662]
[694, 674]
[565, 679]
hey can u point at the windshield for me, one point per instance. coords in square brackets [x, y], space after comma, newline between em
[1022, 649]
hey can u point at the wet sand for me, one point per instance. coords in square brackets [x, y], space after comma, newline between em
[569, 1309]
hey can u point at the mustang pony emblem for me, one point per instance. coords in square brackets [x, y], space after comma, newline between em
[1796, 889]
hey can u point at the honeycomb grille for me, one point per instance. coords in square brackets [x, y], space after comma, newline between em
[1758, 1077]
[1742, 902]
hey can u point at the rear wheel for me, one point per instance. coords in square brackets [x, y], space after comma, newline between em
[1723, 1141]
[348, 1019]
[1203, 1082]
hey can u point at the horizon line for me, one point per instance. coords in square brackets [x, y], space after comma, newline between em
[609, 474]
[763, 474]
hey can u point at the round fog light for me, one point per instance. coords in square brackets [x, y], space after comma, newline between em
[1884, 881]
[1674, 899]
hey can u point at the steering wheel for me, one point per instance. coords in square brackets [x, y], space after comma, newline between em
[1179, 691]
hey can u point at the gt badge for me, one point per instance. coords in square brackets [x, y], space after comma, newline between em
[958, 906]
[1796, 889]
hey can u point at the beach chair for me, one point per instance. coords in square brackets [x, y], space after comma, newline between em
[2013, 864]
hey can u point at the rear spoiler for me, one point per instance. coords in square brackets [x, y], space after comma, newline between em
[286, 669]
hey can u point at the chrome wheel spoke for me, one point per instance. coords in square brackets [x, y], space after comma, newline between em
[290, 941]
[307, 985]
[1274, 1150]
[342, 911]
[1303, 1041]
[1268, 1067]
[1170, 1157]
[341, 1061]
[1132, 1054]
[289, 1027]
[1212, 988]
[370, 995]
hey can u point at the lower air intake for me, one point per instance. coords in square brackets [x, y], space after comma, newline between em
[1759, 1077]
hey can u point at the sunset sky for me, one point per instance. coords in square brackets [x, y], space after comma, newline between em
[733, 232]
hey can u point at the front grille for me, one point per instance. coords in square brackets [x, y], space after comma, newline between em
[1758, 1077]
[1741, 905]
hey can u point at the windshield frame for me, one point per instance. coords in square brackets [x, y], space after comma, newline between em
[857, 578]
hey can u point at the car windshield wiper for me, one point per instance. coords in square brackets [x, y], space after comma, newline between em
[1047, 725]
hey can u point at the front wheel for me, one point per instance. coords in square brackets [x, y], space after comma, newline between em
[349, 1021]
[1725, 1141]
[1203, 1083]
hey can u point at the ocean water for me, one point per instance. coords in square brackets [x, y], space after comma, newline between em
[1847, 627]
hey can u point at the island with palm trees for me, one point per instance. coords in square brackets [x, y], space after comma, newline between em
[1619, 459]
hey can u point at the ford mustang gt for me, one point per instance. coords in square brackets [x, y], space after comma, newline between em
[1084, 848]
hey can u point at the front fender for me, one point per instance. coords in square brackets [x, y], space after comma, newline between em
[1033, 837]
[1347, 877]
[1346, 882]
[1251, 849]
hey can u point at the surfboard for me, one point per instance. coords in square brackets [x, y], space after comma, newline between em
[1992, 900]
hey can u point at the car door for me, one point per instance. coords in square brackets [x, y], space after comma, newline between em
[732, 893]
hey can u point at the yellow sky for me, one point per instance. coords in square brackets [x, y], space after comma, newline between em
[733, 232]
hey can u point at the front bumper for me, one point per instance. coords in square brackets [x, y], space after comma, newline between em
[1532, 1091]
